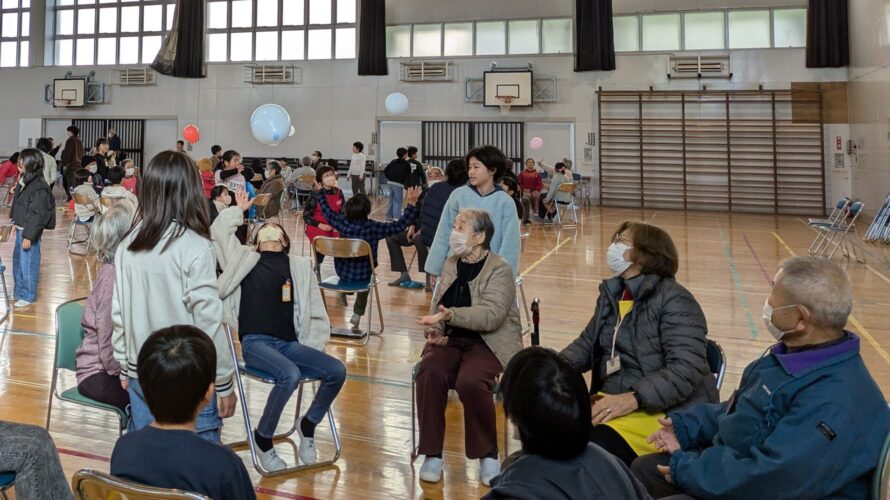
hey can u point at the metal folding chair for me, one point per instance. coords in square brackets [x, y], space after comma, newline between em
[527, 328]
[266, 378]
[349, 248]
[69, 336]
[880, 488]
[569, 188]
[89, 484]
[837, 213]
[837, 235]
[82, 200]
[716, 361]
[5, 234]
[7, 482]
[879, 229]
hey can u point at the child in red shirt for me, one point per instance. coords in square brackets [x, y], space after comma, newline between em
[531, 184]
[313, 217]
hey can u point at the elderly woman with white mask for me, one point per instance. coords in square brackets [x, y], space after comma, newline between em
[645, 345]
[283, 326]
[472, 331]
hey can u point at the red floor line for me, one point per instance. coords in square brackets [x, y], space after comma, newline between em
[258, 489]
[766, 275]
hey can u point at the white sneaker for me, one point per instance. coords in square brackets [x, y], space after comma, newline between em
[489, 468]
[431, 470]
[271, 461]
[22, 303]
[356, 319]
[308, 453]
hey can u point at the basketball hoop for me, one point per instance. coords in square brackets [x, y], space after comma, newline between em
[505, 103]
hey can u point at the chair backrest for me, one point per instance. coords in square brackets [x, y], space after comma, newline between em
[107, 201]
[306, 179]
[89, 484]
[856, 208]
[567, 187]
[69, 333]
[82, 199]
[842, 203]
[262, 200]
[5, 232]
[576, 177]
[881, 479]
[716, 361]
[342, 248]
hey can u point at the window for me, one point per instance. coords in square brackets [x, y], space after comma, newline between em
[556, 36]
[280, 30]
[15, 30]
[703, 30]
[790, 28]
[523, 37]
[490, 38]
[112, 31]
[626, 31]
[398, 41]
[427, 40]
[749, 29]
[458, 39]
[661, 32]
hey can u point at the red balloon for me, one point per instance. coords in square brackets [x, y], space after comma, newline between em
[191, 134]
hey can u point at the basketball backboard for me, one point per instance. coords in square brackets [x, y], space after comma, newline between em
[515, 85]
[69, 93]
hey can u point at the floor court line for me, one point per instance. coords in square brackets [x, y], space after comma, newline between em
[737, 283]
[544, 257]
[853, 321]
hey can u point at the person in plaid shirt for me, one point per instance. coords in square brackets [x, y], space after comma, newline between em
[355, 224]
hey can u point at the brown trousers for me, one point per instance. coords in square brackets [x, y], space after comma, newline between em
[469, 367]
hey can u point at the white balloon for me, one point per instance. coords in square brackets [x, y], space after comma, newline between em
[396, 103]
[292, 131]
[270, 124]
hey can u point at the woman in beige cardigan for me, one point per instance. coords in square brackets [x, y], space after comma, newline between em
[472, 331]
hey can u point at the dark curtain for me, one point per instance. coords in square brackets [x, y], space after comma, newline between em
[372, 38]
[182, 53]
[828, 34]
[594, 43]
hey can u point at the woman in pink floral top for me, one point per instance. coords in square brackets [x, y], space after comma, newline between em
[98, 373]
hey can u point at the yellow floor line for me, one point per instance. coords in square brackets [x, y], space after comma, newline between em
[855, 322]
[879, 274]
[871, 340]
[544, 257]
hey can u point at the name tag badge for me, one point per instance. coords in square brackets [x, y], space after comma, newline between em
[286, 291]
[613, 365]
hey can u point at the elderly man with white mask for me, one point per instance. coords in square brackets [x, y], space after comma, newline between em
[808, 420]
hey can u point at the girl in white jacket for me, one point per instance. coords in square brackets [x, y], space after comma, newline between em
[165, 276]
[273, 298]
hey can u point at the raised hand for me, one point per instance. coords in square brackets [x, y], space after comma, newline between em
[412, 194]
[241, 200]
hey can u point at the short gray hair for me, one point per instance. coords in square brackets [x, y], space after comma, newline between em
[306, 161]
[480, 222]
[820, 285]
[110, 229]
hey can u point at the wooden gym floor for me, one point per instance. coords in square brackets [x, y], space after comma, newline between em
[727, 261]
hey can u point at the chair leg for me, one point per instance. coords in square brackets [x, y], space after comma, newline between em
[379, 307]
[52, 391]
[414, 454]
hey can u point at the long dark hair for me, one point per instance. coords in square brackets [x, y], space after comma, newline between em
[171, 191]
[32, 159]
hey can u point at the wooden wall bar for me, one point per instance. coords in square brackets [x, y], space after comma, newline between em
[737, 151]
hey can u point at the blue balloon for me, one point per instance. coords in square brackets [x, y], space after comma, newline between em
[396, 103]
[269, 123]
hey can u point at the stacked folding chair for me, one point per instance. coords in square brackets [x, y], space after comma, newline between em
[879, 231]
[835, 234]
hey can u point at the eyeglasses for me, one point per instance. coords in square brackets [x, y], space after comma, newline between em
[623, 238]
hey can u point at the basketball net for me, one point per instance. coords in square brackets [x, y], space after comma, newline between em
[505, 103]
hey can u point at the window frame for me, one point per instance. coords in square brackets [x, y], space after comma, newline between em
[18, 39]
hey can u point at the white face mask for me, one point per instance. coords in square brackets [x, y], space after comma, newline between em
[768, 320]
[269, 173]
[431, 182]
[130, 172]
[615, 257]
[458, 243]
[92, 169]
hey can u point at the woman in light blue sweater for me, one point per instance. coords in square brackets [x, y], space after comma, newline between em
[486, 165]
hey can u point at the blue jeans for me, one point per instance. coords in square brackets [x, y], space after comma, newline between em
[208, 424]
[288, 362]
[25, 269]
[394, 205]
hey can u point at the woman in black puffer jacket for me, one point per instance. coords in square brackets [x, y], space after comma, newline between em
[33, 210]
[658, 361]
